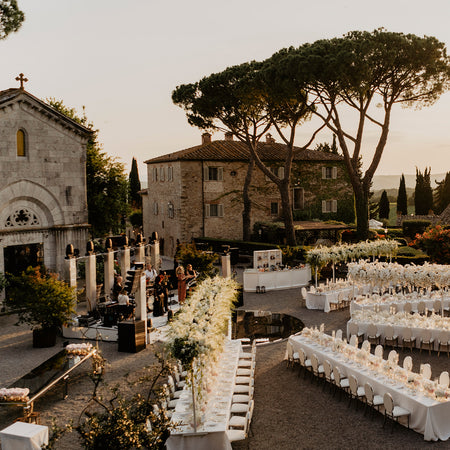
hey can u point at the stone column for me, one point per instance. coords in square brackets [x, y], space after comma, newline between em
[139, 252]
[124, 261]
[141, 303]
[155, 257]
[226, 266]
[109, 271]
[91, 281]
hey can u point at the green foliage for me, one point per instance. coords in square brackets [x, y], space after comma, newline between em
[442, 194]
[135, 186]
[402, 200]
[413, 227]
[327, 148]
[135, 219]
[202, 262]
[435, 241]
[41, 300]
[11, 17]
[383, 208]
[106, 181]
[185, 350]
[423, 194]
[292, 255]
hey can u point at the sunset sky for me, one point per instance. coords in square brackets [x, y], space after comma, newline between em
[123, 59]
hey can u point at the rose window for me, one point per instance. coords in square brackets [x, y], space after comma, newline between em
[22, 218]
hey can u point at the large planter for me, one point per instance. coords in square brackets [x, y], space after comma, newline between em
[44, 338]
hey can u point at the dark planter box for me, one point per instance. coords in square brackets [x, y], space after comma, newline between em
[44, 338]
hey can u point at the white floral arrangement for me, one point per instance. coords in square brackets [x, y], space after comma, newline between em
[79, 349]
[14, 394]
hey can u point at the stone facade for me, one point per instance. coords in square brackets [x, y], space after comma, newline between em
[198, 192]
[42, 179]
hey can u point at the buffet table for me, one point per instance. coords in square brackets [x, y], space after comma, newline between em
[322, 300]
[428, 415]
[24, 436]
[276, 279]
[211, 433]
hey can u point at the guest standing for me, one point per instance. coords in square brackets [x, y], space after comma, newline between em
[181, 277]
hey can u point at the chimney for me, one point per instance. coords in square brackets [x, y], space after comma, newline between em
[228, 136]
[206, 138]
[269, 139]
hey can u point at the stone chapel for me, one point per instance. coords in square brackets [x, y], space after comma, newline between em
[43, 205]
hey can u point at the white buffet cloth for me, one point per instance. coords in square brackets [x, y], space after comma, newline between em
[385, 303]
[428, 416]
[24, 436]
[398, 330]
[322, 300]
[211, 434]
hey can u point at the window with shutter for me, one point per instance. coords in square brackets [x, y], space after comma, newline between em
[334, 173]
[274, 208]
[155, 174]
[324, 206]
[162, 173]
[281, 172]
[207, 210]
[170, 173]
[324, 173]
[213, 210]
[213, 173]
[155, 208]
[334, 206]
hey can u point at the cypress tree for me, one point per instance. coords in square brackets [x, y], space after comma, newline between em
[442, 194]
[383, 209]
[402, 200]
[423, 194]
[135, 186]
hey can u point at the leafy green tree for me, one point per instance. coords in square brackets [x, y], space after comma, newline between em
[368, 73]
[135, 186]
[383, 208]
[11, 17]
[402, 199]
[326, 147]
[442, 194]
[106, 181]
[423, 194]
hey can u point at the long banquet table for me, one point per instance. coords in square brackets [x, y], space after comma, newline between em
[211, 434]
[323, 300]
[398, 330]
[428, 416]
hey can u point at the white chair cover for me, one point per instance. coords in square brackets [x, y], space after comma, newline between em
[408, 363]
[379, 351]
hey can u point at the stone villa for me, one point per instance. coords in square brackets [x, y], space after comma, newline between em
[197, 192]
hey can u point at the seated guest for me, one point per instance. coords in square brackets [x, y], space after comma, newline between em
[117, 288]
[150, 274]
[123, 298]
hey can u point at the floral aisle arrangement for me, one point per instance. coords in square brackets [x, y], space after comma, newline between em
[388, 368]
[434, 322]
[408, 276]
[79, 349]
[14, 394]
[197, 335]
[321, 256]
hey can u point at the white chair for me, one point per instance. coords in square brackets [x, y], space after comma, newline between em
[305, 363]
[379, 350]
[237, 421]
[353, 340]
[425, 371]
[173, 392]
[437, 305]
[178, 381]
[390, 339]
[243, 380]
[354, 329]
[292, 357]
[241, 408]
[240, 434]
[421, 307]
[393, 356]
[183, 373]
[372, 334]
[393, 412]
[408, 363]
[366, 346]
[356, 392]
[375, 401]
[317, 369]
[338, 334]
[243, 398]
[444, 342]
[407, 307]
[341, 383]
[246, 372]
[408, 340]
[426, 341]
[328, 372]
[243, 388]
[444, 379]
[312, 289]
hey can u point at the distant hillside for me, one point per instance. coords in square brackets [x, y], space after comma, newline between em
[393, 181]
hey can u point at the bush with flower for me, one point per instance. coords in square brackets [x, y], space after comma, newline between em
[435, 241]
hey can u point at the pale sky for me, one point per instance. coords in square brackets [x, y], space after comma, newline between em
[123, 59]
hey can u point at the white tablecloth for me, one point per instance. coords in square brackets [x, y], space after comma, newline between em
[24, 436]
[212, 433]
[398, 330]
[322, 300]
[428, 416]
[276, 279]
[384, 305]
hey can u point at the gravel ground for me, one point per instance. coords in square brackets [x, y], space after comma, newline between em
[291, 412]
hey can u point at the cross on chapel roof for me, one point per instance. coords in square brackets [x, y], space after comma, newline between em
[22, 79]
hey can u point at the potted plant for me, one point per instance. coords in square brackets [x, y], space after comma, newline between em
[41, 301]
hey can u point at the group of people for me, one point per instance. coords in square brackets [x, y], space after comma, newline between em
[186, 280]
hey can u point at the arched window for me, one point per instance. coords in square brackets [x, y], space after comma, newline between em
[21, 143]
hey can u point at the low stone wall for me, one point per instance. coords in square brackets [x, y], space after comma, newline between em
[433, 219]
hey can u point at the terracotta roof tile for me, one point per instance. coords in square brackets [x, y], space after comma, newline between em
[237, 151]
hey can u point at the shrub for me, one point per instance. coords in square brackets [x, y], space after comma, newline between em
[413, 227]
[435, 241]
